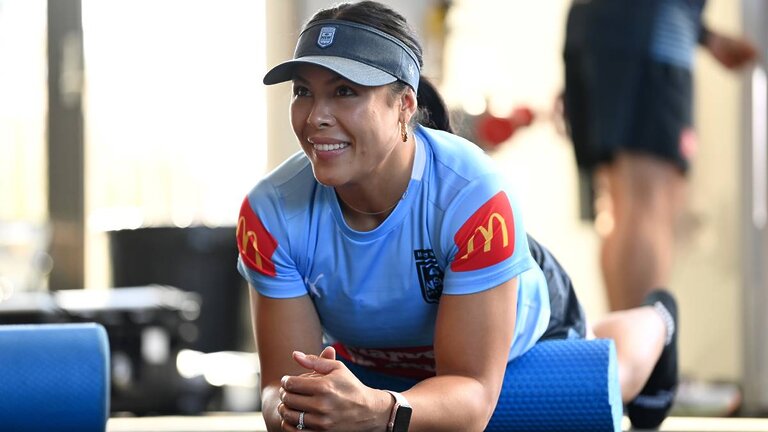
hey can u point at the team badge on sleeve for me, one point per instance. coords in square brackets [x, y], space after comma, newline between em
[255, 244]
[487, 237]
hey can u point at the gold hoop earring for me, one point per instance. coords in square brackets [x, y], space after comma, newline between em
[404, 131]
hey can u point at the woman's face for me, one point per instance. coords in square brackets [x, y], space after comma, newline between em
[348, 131]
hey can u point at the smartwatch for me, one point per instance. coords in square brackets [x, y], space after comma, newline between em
[401, 413]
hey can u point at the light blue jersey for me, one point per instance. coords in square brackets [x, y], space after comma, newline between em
[676, 31]
[457, 230]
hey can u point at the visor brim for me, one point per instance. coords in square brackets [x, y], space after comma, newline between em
[357, 72]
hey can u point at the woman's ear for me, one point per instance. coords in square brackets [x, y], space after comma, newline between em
[408, 104]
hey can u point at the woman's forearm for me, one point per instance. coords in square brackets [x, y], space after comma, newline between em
[270, 399]
[451, 402]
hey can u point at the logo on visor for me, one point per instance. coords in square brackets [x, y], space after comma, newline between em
[326, 37]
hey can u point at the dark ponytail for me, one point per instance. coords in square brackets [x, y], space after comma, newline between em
[432, 111]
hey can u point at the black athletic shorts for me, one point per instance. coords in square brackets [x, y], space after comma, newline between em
[567, 319]
[619, 99]
[610, 108]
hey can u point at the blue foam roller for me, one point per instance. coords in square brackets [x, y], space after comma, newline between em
[54, 377]
[561, 385]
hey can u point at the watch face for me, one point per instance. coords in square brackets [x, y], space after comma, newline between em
[402, 419]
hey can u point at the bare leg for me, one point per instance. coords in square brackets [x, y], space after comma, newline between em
[639, 335]
[636, 256]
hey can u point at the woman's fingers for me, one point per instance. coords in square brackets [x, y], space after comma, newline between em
[325, 363]
[294, 419]
[298, 402]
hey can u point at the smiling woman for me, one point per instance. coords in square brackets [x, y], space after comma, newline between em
[393, 278]
[341, 126]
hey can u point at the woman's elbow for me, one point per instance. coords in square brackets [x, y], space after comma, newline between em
[482, 408]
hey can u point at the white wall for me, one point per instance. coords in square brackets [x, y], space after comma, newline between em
[707, 272]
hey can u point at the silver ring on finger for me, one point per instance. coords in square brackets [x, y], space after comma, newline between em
[300, 426]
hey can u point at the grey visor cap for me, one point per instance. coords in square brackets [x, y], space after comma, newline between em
[359, 53]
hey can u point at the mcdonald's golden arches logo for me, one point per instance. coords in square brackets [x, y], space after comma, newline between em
[255, 244]
[487, 237]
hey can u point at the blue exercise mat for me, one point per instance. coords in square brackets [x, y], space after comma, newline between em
[54, 378]
[561, 385]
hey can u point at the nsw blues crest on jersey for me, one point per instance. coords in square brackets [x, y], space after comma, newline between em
[430, 275]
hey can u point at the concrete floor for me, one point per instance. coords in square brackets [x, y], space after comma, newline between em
[254, 423]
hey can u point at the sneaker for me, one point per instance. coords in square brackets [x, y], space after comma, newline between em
[707, 398]
[652, 405]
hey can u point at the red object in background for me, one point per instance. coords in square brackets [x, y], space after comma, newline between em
[495, 130]
[522, 116]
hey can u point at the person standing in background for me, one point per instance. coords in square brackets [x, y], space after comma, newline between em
[628, 105]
